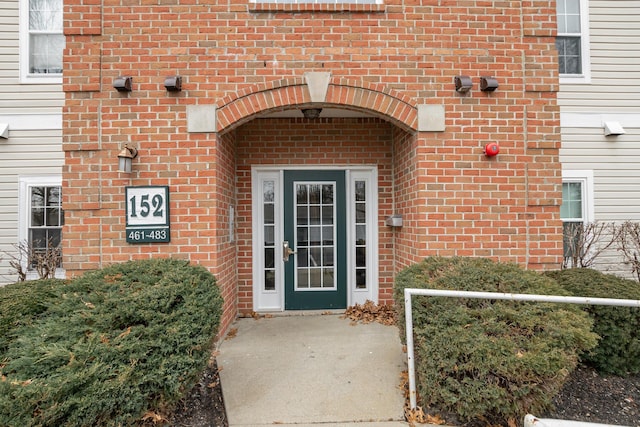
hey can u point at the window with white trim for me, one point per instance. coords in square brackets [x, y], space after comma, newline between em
[41, 220]
[572, 41]
[577, 207]
[41, 41]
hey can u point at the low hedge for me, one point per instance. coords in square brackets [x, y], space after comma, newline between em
[488, 359]
[618, 351]
[22, 304]
[107, 348]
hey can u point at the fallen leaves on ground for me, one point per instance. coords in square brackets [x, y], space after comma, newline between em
[232, 333]
[155, 418]
[256, 315]
[371, 312]
[417, 414]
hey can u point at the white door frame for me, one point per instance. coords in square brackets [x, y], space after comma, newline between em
[273, 300]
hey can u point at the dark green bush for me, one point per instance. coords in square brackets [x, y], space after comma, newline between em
[21, 303]
[110, 346]
[618, 351]
[489, 359]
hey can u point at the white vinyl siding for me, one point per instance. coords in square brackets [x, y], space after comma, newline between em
[34, 115]
[616, 166]
[34, 153]
[616, 179]
[614, 45]
[46, 97]
[612, 95]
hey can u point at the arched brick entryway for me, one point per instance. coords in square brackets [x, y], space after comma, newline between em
[381, 137]
[295, 93]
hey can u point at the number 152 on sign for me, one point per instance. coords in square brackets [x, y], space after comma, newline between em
[147, 211]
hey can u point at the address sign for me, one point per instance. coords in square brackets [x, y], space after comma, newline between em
[147, 213]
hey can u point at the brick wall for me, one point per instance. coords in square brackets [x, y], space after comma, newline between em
[246, 59]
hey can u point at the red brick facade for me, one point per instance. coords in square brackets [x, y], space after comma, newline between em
[391, 61]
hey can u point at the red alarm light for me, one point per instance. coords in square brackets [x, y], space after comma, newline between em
[491, 149]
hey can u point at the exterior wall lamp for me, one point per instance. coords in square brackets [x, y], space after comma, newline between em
[311, 113]
[488, 84]
[463, 84]
[125, 157]
[173, 83]
[123, 84]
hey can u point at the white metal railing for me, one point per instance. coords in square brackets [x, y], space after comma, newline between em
[531, 421]
[408, 292]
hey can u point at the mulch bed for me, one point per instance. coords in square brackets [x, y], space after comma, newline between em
[204, 405]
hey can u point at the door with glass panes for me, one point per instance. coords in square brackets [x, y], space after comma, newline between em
[314, 238]
[314, 246]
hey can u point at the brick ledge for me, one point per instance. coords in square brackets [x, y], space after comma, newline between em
[315, 7]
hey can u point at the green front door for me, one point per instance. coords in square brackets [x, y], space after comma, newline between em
[315, 240]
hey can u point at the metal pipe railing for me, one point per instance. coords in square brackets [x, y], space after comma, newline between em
[408, 292]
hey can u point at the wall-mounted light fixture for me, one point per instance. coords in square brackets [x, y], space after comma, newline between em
[173, 83]
[123, 84]
[4, 130]
[311, 113]
[463, 84]
[125, 157]
[488, 84]
[613, 129]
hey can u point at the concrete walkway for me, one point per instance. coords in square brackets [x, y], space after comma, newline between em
[312, 369]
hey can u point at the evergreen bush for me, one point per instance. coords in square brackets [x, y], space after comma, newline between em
[21, 303]
[489, 359]
[110, 346]
[618, 351]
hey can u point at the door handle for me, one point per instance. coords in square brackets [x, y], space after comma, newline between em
[287, 251]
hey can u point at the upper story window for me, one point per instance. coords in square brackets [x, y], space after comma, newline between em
[572, 40]
[41, 41]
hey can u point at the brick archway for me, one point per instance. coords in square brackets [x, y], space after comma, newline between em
[375, 99]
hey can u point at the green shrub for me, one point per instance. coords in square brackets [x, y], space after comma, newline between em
[111, 346]
[21, 304]
[618, 351]
[489, 359]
